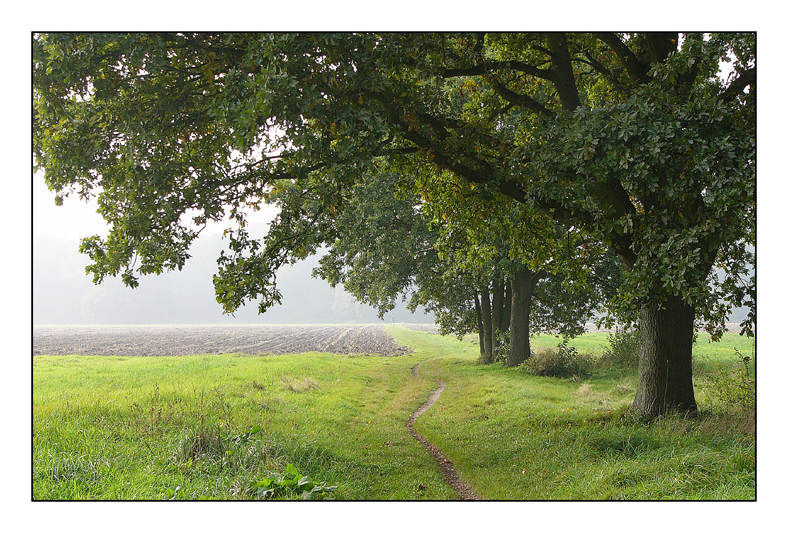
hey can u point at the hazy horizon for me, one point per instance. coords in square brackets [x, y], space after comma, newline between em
[64, 295]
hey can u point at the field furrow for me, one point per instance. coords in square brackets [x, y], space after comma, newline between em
[147, 341]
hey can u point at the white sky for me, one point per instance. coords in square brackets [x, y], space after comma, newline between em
[76, 218]
[70, 221]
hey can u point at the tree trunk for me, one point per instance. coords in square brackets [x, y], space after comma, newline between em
[665, 368]
[488, 327]
[506, 312]
[497, 314]
[479, 324]
[520, 325]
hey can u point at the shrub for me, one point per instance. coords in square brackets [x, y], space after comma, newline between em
[735, 388]
[624, 350]
[196, 445]
[563, 362]
[210, 445]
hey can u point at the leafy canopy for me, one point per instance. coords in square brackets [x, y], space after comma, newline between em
[632, 138]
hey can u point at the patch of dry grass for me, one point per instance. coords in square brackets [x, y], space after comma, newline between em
[299, 386]
[591, 394]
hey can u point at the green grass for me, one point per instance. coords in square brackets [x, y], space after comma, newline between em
[173, 427]
[592, 343]
[723, 351]
[121, 428]
[518, 436]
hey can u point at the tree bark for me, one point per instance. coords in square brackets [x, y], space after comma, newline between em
[487, 358]
[520, 325]
[665, 368]
[479, 323]
[506, 312]
[564, 76]
[497, 314]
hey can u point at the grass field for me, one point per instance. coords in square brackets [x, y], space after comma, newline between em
[216, 426]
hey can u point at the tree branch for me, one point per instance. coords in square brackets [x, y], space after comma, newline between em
[599, 67]
[637, 70]
[661, 45]
[489, 66]
[564, 76]
[479, 46]
[478, 171]
[738, 85]
[520, 99]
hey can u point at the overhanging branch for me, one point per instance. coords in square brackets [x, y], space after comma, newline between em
[520, 99]
[738, 85]
[636, 69]
[490, 66]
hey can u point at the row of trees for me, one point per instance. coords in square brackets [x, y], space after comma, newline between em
[387, 243]
[464, 168]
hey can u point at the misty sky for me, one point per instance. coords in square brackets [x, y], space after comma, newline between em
[63, 294]
[76, 219]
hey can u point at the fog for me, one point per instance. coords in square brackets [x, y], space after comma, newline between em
[64, 295]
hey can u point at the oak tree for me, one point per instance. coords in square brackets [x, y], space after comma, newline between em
[635, 138]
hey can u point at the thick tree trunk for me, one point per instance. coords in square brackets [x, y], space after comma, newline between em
[665, 369]
[520, 325]
[488, 327]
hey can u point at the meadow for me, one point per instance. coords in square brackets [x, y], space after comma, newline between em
[233, 426]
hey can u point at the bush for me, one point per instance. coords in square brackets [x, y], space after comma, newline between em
[735, 388]
[624, 348]
[563, 362]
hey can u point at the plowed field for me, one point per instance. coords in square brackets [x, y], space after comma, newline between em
[150, 341]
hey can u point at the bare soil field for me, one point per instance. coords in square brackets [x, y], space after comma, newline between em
[147, 341]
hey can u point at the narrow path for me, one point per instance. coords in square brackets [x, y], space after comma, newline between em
[447, 467]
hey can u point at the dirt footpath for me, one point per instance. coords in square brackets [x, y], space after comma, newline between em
[147, 341]
[450, 474]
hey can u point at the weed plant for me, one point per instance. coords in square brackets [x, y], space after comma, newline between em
[735, 388]
[292, 483]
